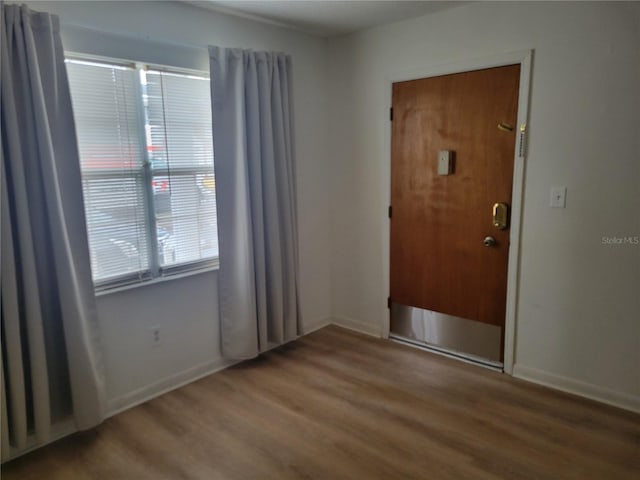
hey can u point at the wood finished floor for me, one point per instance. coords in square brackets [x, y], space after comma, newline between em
[340, 405]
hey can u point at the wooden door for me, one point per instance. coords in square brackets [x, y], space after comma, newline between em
[438, 259]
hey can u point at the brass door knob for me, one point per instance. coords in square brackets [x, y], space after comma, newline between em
[489, 241]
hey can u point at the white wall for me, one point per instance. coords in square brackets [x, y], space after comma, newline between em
[186, 309]
[578, 314]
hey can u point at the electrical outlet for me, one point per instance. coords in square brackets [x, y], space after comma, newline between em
[155, 336]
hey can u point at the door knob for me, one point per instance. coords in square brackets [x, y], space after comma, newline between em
[489, 241]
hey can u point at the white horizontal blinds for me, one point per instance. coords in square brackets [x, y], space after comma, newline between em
[105, 104]
[179, 139]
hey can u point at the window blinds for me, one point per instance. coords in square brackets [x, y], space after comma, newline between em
[146, 149]
[107, 116]
[180, 146]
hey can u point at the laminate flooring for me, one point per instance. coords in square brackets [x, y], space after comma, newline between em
[340, 405]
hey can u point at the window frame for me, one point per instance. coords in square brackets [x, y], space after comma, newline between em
[154, 272]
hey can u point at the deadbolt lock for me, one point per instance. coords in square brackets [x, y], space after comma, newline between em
[500, 215]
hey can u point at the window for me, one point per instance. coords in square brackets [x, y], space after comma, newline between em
[146, 153]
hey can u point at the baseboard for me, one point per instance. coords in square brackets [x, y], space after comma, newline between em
[310, 327]
[148, 392]
[357, 326]
[144, 394]
[577, 387]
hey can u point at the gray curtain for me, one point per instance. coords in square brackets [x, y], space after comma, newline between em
[51, 363]
[256, 200]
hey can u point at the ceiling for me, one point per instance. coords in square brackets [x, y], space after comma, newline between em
[329, 17]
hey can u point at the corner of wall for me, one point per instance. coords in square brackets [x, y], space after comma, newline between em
[357, 326]
[314, 325]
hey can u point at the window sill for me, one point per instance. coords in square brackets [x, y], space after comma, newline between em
[157, 280]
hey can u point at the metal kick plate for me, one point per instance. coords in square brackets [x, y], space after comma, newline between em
[465, 337]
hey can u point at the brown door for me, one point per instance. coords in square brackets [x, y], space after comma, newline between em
[439, 261]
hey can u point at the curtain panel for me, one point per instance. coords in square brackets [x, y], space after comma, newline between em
[256, 200]
[51, 363]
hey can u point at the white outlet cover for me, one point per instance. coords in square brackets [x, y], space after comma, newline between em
[155, 334]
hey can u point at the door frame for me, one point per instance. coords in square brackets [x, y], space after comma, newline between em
[524, 58]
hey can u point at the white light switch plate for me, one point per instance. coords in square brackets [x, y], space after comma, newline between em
[558, 197]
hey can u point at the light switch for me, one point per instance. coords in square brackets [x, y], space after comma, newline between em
[558, 197]
[445, 164]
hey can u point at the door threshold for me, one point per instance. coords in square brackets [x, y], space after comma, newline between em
[464, 357]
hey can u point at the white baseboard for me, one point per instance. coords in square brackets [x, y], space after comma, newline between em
[358, 326]
[310, 327]
[577, 387]
[144, 394]
[148, 392]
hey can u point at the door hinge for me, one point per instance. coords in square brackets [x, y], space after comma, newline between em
[391, 114]
[390, 211]
[389, 303]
